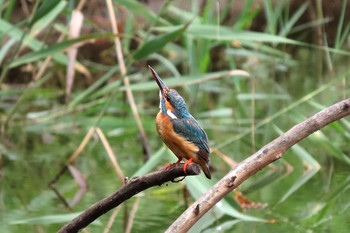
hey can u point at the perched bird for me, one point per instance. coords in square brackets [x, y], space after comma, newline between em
[179, 130]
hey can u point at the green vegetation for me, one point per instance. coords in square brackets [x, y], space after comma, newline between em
[297, 67]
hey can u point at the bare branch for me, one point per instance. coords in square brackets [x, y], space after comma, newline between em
[248, 167]
[235, 177]
[131, 188]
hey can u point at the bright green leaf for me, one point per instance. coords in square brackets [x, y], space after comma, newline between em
[44, 9]
[53, 49]
[157, 43]
[49, 219]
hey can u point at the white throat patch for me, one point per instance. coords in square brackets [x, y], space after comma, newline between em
[160, 100]
[171, 114]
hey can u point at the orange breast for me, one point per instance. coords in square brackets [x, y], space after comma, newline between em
[182, 148]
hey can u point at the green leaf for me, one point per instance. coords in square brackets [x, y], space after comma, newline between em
[49, 219]
[223, 227]
[53, 49]
[44, 9]
[296, 16]
[93, 87]
[157, 43]
[45, 20]
[9, 9]
[170, 82]
[151, 163]
[142, 10]
[338, 41]
[262, 96]
[247, 15]
[197, 185]
[220, 112]
[313, 167]
[223, 33]
[271, 16]
[322, 205]
[5, 48]
[286, 109]
[323, 141]
[182, 81]
[33, 43]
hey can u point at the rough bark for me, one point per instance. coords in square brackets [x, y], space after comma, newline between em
[131, 188]
[248, 167]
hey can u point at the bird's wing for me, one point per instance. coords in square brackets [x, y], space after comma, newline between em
[190, 129]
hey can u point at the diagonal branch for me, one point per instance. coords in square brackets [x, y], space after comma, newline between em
[248, 167]
[131, 188]
[266, 155]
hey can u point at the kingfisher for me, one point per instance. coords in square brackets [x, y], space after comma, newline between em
[179, 130]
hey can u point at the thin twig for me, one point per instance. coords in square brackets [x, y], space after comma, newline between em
[111, 155]
[224, 157]
[81, 146]
[83, 185]
[253, 115]
[126, 79]
[132, 214]
[75, 26]
[111, 219]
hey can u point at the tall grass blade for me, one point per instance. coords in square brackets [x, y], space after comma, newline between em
[53, 49]
[139, 9]
[229, 34]
[45, 19]
[5, 48]
[80, 97]
[292, 21]
[157, 43]
[312, 168]
[197, 185]
[151, 163]
[185, 80]
[34, 44]
[246, 16]
[9, 9]
[50, 219]
[321, 139]
[340, 26]
[45, 8]
[286, 109]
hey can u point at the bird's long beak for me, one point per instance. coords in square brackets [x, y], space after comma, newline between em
[159, 81]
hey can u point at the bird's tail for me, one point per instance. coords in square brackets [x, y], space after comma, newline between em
[205, 168]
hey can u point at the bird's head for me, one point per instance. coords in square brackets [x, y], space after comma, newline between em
[171, 103]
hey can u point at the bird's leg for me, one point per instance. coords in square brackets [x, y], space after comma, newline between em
[185, 165]
[169, 165]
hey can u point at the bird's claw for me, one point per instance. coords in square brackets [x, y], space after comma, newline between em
[171, 164]
[186, 164]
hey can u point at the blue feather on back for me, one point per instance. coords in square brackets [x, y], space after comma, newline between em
[186, 125]
[190, 129]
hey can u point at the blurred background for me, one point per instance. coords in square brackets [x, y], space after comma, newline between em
[78, 107]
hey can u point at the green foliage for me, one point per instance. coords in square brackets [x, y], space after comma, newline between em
[52, 50]
[157, 43]
[196, 49]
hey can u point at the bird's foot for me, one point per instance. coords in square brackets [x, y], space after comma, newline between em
[171, 164]
[185, 164]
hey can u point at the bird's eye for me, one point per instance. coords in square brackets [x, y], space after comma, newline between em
[167, 97]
